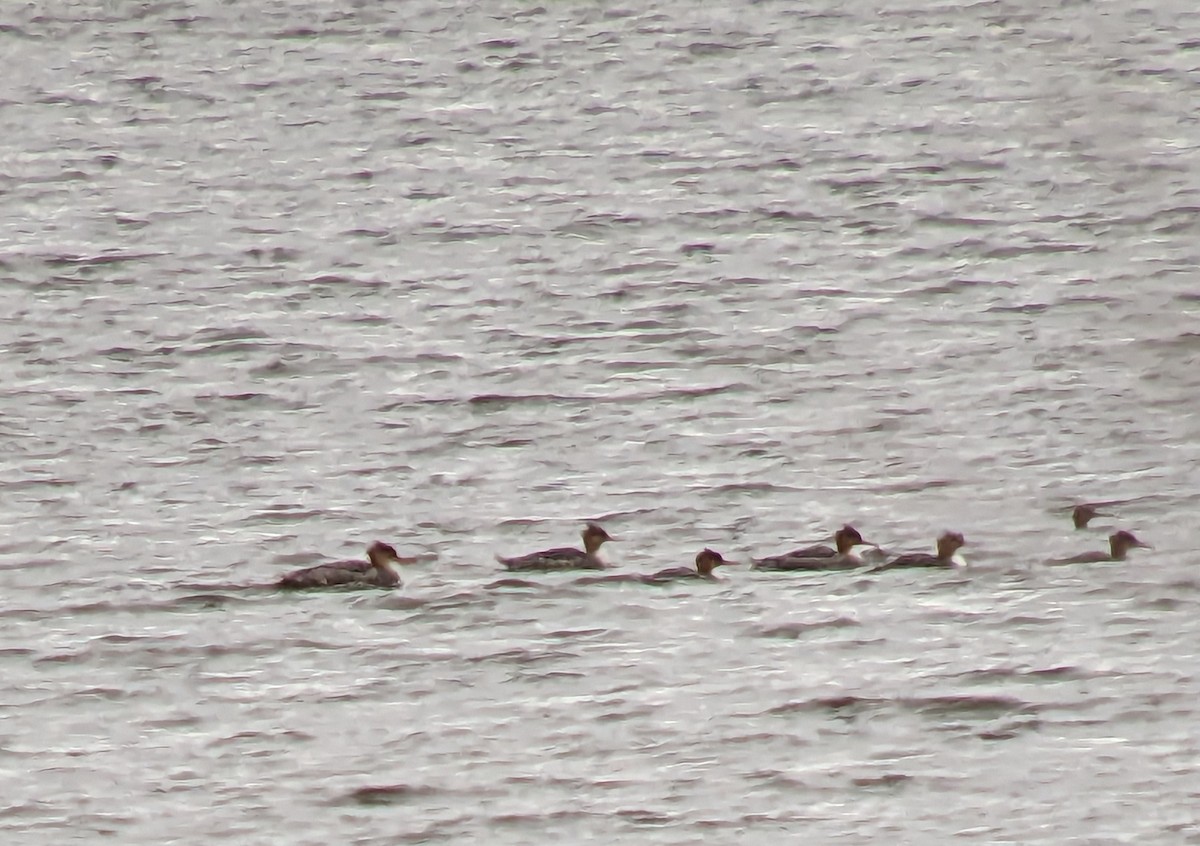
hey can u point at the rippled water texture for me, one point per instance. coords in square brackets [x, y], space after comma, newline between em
[278, 279]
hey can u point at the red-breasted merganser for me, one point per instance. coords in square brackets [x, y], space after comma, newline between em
[376, 571]
[1081, 515]
[819, 557]
[947, 544]
[1119, 543]
[706, 561]
[565, 558]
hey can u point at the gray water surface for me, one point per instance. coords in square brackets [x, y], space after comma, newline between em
[278, 279]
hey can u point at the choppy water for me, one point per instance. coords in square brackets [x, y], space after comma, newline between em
[277, 279]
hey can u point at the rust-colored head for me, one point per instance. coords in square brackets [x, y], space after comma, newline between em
[594, 537]
[707, 560]
[1081, 515]
[380, 554]
[846, 538]
[1121, 542]
[949, 543]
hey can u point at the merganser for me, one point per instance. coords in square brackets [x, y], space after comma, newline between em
[819, 557]
[1119, 543]
[1081, 515]
[376, 571]
[564, 558]
[947, 544]
[706, 561]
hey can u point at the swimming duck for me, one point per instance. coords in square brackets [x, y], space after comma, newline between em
[706, 561]
[376, 571]
[564, 558]
[947, 544]
[819, 557]
[1081, 515]
[1119, 543]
